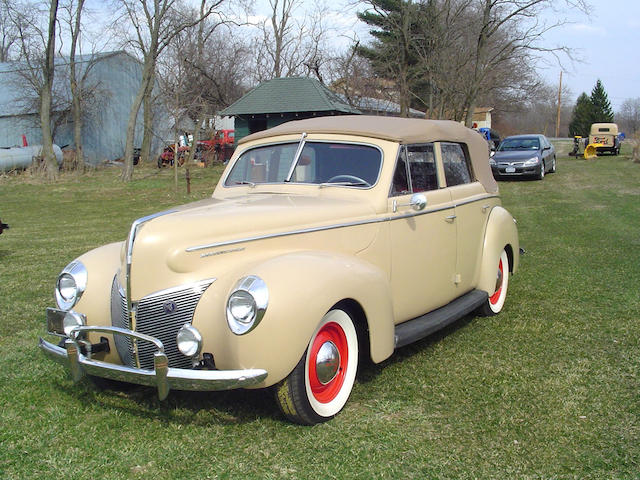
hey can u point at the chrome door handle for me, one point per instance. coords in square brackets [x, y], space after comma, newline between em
[450, 218]
[485, 208]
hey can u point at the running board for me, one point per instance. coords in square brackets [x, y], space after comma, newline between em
[420, 327]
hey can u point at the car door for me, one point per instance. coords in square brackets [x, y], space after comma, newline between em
[472, 207]
[423, 242]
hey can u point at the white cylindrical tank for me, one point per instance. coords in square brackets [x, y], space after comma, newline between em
[15, 158]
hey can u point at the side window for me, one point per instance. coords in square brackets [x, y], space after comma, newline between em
[400, 184]
[422, 167]
[456, 165]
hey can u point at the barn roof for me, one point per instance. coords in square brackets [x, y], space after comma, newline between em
[289, 95]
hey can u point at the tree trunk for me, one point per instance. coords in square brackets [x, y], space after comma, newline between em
[76, 93]
[145, 149]
[127, 170]
[50, 162]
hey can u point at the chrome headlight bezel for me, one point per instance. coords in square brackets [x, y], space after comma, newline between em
[71, 284]
[247, 304]
[531, 161]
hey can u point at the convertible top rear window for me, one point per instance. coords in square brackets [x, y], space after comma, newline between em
[344, 164]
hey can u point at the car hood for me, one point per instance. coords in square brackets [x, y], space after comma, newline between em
[183, 238]
[515, 155]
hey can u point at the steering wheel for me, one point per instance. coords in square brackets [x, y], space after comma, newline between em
[348, 178]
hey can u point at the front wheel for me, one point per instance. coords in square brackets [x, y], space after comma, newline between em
[553, 166]
[320, 384]
[541, 174]
[496, 300]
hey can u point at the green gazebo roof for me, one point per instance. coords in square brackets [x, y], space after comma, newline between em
[289, 95]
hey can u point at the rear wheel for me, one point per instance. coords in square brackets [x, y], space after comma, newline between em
[496, 300]
[320, 384]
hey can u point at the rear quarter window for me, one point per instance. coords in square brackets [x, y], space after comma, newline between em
[457, 168]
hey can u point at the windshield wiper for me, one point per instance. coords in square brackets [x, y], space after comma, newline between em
[343, 184]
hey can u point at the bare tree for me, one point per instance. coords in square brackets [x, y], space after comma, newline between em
[629, 115]
[48, 70]
[37, 50]
[154, 24]
[73, 10]
[504, 30]
[202, 71]
[291, 43]
[9, 33]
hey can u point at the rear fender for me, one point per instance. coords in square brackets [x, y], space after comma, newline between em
[501, 233]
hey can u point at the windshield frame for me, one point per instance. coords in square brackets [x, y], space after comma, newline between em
[301, 142]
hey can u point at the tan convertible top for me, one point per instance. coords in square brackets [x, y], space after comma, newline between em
[401, 130]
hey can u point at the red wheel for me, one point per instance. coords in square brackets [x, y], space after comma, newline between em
[496, 300]
[320, 385]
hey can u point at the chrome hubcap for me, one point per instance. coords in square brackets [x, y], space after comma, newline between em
[498, 280]
[327, 362]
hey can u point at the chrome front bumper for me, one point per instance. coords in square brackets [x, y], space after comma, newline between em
[163, 377]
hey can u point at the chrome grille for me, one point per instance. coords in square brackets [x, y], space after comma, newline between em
[159, 315]
[120, 318]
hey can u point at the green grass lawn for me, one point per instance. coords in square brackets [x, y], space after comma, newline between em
[549, 389]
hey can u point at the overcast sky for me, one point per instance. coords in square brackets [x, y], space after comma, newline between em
[608, 43]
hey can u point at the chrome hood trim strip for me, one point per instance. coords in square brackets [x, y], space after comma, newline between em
[135, 226]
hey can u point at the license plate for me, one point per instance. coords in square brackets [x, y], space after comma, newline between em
[510, 170]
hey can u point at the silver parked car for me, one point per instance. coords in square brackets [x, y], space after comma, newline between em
[524, 155]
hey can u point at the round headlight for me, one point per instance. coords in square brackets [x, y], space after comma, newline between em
[242, 306]
[67, 287]
[71, 284]
[70, 321]
[189, 340]
[247, 304]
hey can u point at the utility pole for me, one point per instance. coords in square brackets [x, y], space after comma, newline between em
[559, 107]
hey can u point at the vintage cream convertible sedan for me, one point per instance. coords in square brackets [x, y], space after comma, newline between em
[327, 241]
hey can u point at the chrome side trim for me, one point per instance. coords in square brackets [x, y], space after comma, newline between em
[135, 226]
[333, 227]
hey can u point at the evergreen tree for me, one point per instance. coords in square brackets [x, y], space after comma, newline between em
[602, 112]
[582, 117]
[392, 56]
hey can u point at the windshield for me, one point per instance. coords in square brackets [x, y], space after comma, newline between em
[526, 143]
[323, 163]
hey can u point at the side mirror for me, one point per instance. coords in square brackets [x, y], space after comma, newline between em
[418, 201]
[546, 148]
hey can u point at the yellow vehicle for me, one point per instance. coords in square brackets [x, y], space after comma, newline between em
[326, 241]
[604, 138]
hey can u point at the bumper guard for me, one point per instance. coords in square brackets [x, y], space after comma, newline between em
[163, 377]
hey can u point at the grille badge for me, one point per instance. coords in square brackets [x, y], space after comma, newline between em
[169, 307]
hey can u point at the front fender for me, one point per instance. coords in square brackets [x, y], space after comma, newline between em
[501, 233]
[302, 286]
[102, 263]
